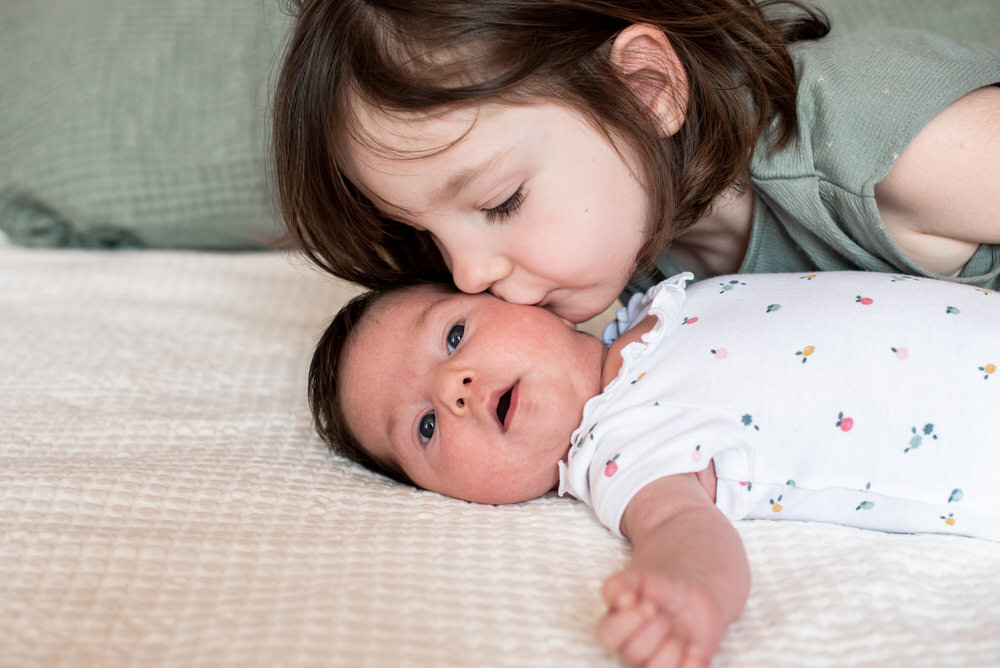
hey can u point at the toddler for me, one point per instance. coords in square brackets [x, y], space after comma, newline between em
[864, 399]
[550, 151]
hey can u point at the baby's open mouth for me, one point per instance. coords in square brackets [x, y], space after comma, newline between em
[503, 406]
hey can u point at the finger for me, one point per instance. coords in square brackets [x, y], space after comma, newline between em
[669, 654]
[695, 659]
[620, 590]
[668, 593]
[618, 625]
[646, 641]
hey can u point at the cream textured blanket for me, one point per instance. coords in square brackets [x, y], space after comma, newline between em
[164, 502]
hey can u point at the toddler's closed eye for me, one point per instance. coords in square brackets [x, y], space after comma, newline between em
[507, 208]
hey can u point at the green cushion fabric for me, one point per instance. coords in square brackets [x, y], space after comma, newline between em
[140, 123]
[961, 20]
[144, 123]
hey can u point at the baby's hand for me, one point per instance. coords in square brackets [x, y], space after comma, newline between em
[655, 620]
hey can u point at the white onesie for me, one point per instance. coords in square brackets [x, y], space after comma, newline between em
[858, 398]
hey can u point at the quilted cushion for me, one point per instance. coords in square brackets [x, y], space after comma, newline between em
[139, 123]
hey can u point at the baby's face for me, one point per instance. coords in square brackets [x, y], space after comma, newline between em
[471, 396]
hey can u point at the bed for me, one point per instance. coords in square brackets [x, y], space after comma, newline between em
[164, 500]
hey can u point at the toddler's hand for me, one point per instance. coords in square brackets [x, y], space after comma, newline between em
[655, 620]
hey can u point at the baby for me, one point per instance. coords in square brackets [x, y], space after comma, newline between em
[858, 398]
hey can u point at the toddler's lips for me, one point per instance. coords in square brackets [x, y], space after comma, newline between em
[506, 406]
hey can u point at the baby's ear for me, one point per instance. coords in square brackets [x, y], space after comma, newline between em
[653, 72]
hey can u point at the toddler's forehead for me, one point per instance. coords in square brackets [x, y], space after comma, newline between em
[389, 134]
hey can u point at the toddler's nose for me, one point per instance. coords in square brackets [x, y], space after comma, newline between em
[479, 273]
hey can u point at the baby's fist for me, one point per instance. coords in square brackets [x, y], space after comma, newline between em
[654, 620]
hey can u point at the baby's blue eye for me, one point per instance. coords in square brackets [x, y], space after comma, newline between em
[427, 427]
[454, 337]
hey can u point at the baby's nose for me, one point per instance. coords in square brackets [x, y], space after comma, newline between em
[455, 388]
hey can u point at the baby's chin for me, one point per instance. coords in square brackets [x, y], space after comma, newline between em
[503, 497]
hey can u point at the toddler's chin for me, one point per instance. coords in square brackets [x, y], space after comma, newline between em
[573, 315]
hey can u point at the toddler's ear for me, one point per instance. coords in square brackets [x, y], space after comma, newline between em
[653, 72]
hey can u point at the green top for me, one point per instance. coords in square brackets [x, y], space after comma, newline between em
[862, 98]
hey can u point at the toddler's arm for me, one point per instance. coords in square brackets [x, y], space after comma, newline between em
[689, 578]
[939, 201]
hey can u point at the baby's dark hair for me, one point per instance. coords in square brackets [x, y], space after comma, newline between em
[325, 391]
[429, 56]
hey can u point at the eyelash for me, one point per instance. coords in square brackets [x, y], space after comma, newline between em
[507, 208]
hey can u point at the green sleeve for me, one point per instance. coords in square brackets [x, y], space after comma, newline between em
[862, 98]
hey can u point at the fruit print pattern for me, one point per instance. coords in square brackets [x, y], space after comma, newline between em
[866, 504]
[844, 423]
[729, 285]
[583, 439]
[917, 439]
[721, 348]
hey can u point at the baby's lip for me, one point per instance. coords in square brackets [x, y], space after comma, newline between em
[506, 405]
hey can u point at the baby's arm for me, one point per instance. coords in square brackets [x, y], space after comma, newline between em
[689, 578]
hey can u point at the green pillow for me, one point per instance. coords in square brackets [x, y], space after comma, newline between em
[144, 123]
[961, 20]
[137, 123]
